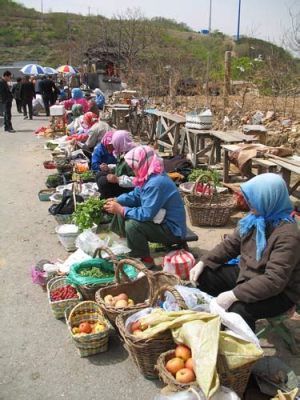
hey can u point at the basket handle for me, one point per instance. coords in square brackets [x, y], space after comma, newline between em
[137, 265]
[166, 288]
[79, 304]
[108, 251]
[53, 280]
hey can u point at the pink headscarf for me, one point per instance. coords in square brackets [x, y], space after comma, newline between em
[107, 138]
[144, 161]
[122, 142]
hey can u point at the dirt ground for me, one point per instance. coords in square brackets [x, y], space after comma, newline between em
[37, 359]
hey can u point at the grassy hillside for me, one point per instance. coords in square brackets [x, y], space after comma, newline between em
[159, 47]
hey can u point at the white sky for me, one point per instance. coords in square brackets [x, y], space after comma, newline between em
[265, 19]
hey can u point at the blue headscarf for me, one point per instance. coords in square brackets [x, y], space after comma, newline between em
[77, 93]
[268, 194]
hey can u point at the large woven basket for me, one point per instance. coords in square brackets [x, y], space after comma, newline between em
[89, 291]
[92, 343]
[58, 307]
[236, 379]
[139, 290]
[207, 209]
[145, 352]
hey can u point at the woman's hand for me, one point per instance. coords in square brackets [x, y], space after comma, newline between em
[226, 299]
[112, 178]
[113, 207]
[196, 271]
[104, 167]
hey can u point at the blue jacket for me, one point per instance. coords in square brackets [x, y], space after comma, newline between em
[101, 155]
[159, 191]
[100, 101]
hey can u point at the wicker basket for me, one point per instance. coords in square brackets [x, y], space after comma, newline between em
[92, 343]
[45, 194]
[139, 290]
[236, 379]
[58, 307]
[63, 218]
[209, 210]
[145, 352]
[88, 291]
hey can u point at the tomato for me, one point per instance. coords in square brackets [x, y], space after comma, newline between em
[85, 327]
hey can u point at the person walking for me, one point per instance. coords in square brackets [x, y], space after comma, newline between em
[6, 99]
[47, 89]
[16, 92]
[27, 95]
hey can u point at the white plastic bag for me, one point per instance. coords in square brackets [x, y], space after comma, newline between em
[192, 394]
[77, 256]
[194, 299]
[88, 242]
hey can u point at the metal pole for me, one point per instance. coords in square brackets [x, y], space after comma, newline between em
[209, 21]
[42, 7]
[239, 18]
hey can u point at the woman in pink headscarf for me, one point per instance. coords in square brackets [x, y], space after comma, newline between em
[115, 181]
[153, 211]
[103, 154]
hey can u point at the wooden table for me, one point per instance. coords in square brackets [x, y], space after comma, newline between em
[196, 143]
[118, 114]
[221, 138]
[166, 130]
[257, 130]
[288, 165]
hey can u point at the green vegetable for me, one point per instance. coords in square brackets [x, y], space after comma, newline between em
[205, 176]
[87, 175]
[95, 272]
[89, 213]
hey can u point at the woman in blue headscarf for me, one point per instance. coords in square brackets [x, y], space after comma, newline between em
[266, 282]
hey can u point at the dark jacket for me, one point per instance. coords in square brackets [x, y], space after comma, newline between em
[16, 90]
[277, 272]
[5, 93]
[27, 91]
[47, 87]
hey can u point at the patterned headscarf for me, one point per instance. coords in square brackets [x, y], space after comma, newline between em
[107, 138]
[122, 142]
[89, 119]
[268, 195]
[144, 161]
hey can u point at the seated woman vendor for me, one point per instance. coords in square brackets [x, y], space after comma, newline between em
[119, 179]
[153, 211]
[103, 154]
[266, 283]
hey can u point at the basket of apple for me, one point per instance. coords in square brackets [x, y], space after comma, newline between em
[88, 327]
[126, 294]
[176, 368]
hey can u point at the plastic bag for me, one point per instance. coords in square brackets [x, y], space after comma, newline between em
[76, 257]
[88, 242]
[194, 299]
[179, 262]
[192, 394]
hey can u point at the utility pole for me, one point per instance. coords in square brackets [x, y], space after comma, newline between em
[239, 19]
[89, 8]
[227, 78]
[209, 20]
[42, 7]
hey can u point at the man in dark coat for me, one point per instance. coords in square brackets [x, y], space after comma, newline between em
[6, 99]
[27, 95]
[16, 92]
[47, 89]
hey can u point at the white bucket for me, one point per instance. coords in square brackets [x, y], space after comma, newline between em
[67, 235]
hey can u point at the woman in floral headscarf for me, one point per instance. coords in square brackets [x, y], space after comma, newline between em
[119, 179]
[103, 154]
[153, 211]
[266, 282]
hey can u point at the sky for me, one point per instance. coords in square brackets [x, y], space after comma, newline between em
[264, 19]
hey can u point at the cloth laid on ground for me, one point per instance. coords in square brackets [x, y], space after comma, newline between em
[201, 332]
[246, 152]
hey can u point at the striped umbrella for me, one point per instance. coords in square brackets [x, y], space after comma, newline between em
[67, 69]
[32, 69]
[50, 70]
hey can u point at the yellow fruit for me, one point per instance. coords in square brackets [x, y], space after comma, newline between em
[100, 328]
[121, 304]
[75, 330]
[108, 300]
[130, 302]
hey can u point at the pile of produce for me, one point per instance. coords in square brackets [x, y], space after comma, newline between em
[95, 273]
[64, 293]
[137, 328]
[181, 365]
[208, 176]
[89, 213]
[120, 301]
[81, 167]
[89, 327]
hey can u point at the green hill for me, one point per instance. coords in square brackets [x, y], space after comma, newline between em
[159, 47]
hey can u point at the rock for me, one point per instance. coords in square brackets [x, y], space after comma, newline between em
[270, 116]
